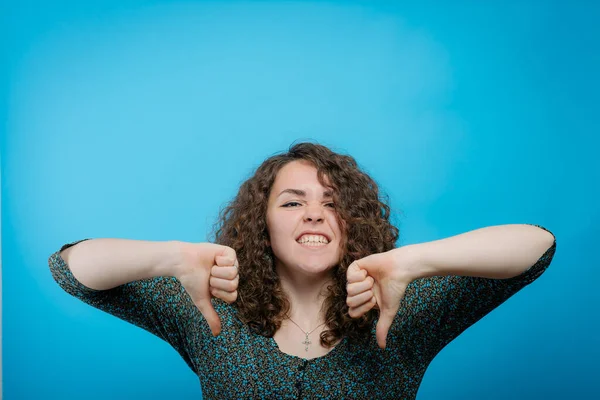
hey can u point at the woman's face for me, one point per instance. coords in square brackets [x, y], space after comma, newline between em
[299, 203]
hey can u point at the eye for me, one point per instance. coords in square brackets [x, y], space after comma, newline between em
[287, 205]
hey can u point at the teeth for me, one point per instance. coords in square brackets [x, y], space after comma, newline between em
[313, 239]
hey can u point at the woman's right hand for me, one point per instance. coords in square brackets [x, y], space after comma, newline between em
[208, 270]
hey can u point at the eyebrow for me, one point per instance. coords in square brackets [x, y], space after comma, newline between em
[302, 193]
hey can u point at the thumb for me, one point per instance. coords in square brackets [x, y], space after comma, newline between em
[386, 317]
[210, 315]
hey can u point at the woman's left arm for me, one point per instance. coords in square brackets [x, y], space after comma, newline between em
[498, 252]
[436, 290]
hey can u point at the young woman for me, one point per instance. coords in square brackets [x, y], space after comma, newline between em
[303, 292]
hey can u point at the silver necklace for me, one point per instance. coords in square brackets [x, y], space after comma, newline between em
[306, 341]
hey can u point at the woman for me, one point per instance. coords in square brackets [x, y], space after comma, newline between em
[306, 251]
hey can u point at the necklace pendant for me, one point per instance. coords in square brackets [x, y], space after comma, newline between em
[306, 343]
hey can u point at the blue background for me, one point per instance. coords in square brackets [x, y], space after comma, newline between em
[140, 119]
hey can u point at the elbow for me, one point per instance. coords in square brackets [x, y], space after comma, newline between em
[548, 238]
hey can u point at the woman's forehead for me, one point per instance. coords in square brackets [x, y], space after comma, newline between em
[299, 179]
[298, 172]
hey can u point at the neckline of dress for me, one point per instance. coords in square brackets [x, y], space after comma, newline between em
[282, 354]
[330, 354]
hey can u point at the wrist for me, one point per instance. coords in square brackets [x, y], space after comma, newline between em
[413, 260]
[172, 258]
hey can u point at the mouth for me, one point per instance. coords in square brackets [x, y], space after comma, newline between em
[314, 244]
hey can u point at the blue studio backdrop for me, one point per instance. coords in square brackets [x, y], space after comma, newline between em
[140, 119]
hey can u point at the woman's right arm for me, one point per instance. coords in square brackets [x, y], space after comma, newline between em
[157, 304]
[102, 264]
[143, 283]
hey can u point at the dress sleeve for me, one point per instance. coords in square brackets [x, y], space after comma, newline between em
[437, 309]
[159, 305]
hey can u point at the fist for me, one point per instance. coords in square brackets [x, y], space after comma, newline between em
[224, 278]
[361, 297]
[208, 270]
[384, 276]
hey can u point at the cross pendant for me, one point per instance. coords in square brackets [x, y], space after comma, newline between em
[306, 343]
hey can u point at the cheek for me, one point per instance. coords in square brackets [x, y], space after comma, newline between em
[335, 226]
[282, 230]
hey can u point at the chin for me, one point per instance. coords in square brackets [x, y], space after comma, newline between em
[311, 262]
[315, 268]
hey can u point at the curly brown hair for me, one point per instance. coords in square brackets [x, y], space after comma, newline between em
[241, 225]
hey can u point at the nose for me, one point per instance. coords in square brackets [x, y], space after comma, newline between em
[313, 213]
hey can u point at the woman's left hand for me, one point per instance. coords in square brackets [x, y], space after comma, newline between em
[379, 281]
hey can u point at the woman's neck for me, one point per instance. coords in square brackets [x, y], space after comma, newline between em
[306, 296]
